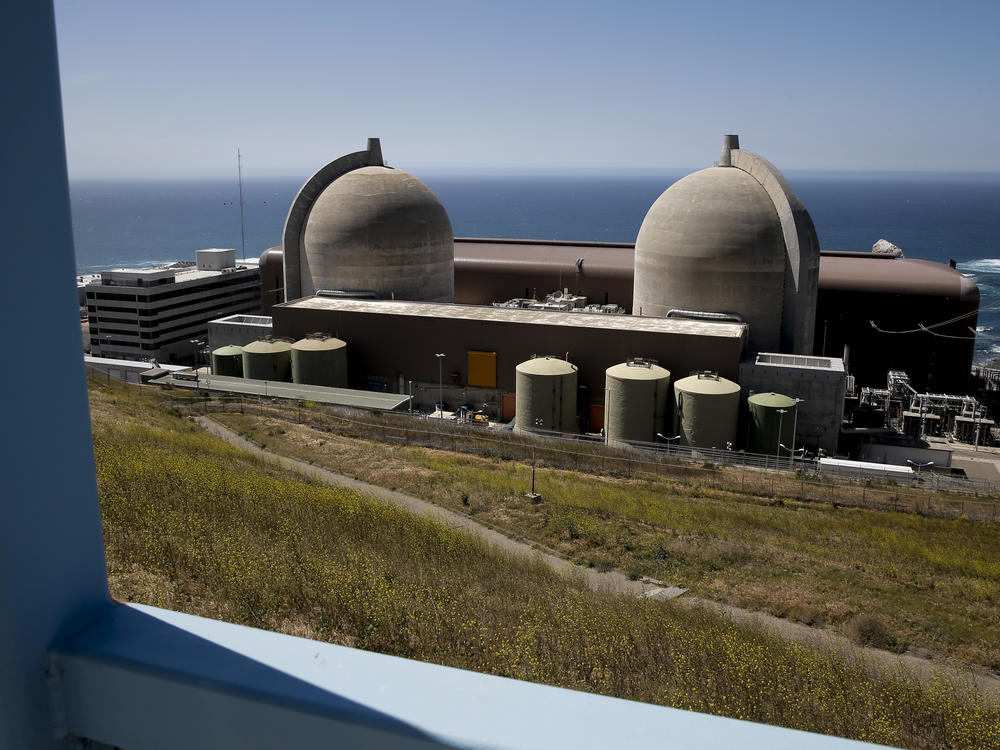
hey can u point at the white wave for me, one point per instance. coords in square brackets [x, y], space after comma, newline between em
[983, 265]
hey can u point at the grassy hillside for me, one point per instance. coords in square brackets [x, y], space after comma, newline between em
[195, 525]
[890, 579]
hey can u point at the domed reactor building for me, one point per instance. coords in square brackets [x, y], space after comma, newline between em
[358, 228]
[732, 240]
[725, 277]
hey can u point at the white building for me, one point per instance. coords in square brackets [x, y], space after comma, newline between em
[154, 313]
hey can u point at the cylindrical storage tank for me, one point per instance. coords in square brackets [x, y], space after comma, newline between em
[228, 360]
[635, 404]
[320, 360]
[707, 407]
[268, 359]
[772, 423]
[545, 395]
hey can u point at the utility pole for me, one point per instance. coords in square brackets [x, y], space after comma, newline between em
[243, 236]
[440, 385]
[777, 448]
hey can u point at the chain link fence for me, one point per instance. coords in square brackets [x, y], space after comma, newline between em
[771, 477]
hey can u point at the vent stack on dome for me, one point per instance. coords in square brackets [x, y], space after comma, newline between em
[707, 407]
[545, 395]
[320, 360]
[635, 404]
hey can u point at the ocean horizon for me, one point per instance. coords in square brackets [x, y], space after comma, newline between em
[930, 215]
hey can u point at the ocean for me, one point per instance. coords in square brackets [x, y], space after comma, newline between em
[937, 217]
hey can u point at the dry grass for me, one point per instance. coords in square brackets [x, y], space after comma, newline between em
[934, 582]
[195, 525]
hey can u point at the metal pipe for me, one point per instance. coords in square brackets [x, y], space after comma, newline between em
[704, 315]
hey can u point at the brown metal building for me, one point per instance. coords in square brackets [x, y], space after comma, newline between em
[898, 294]
[894, 313]
[483, 345]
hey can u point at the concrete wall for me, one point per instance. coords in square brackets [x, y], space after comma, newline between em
[234, 334]
[394, 346]
[882, 453]
[822, 391]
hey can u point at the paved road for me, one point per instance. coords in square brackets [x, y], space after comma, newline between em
[616, 581]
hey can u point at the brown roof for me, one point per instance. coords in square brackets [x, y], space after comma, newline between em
[879, 274]
[838, 271]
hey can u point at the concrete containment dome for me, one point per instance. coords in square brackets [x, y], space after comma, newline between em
[713, 242]
[636, 401]
[707, 409]
[545, 395]
[320, 360]
[382, 230]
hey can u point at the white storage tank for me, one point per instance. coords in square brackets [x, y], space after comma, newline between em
[635, 404]
[228, 360]
[707, 407]
[320, 360]
[545, 393]
[268, 359]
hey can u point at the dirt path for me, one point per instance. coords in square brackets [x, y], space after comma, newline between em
[616, 581]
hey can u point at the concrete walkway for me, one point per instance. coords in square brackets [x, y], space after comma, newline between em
[616, 581]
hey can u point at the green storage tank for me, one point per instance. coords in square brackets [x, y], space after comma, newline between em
[635, 405]
[707, 407]
[771, 423]
[268, 359]
[545, 395]
[320, 360]
[228, 360]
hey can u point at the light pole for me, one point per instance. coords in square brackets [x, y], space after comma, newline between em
[667, 440]
[919, 465]
[440, 386]
[410, 391]
[777, 448]
[607, 412]
[792, 452]
[976, 425]
[198, 344]
[795, 422]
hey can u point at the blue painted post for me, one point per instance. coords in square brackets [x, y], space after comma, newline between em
[52, 569]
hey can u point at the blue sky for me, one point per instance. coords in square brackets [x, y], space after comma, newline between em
[173, 88]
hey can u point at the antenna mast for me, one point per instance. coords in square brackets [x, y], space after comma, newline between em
[243, 235]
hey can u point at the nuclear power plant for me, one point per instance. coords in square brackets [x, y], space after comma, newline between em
[724, 325]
